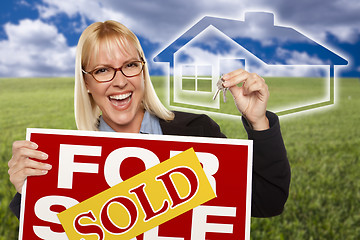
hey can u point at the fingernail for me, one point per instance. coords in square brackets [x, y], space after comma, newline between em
[44, 171]
[34, 145]
[47, 167]
[225, 76]
[44, 156]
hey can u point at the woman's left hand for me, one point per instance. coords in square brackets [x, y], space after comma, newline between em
[251, 98]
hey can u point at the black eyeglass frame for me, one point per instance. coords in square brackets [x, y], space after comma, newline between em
[116, 70]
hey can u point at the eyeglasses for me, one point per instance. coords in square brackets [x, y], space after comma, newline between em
[107, 73]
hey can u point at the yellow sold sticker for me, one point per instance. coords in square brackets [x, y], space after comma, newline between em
[141, 202]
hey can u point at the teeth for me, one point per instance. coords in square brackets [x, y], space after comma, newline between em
[120, 96]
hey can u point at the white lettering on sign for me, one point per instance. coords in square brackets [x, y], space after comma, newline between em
[113, 162]
[116, 157]
[67, 165]
[43, 212]
[199, 225]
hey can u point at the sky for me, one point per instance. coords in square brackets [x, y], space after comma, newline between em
[38, 37]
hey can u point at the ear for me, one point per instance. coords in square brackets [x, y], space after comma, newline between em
[86, 86]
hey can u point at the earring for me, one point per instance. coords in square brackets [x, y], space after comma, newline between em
[88, 91]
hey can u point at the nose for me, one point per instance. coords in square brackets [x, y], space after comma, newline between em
[119, 80]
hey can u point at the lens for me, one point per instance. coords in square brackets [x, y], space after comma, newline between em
[104, 73]
[132, 68]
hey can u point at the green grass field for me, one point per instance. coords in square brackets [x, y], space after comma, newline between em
[323, 148]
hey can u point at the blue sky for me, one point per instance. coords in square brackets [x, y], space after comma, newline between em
[38, 37]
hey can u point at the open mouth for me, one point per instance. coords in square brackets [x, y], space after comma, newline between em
[120, 99]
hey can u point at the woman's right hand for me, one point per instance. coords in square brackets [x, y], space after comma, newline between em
[21, 164]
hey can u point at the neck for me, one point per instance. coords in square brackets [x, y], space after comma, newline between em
[131, 127]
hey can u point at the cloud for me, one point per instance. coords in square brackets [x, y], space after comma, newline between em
[158, 20]
[155, 20]
[339, 17]
[92, 10]
[39, 42]
[35, 48]
[294, 57]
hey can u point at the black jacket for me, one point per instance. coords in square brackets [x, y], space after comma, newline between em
[271, 170]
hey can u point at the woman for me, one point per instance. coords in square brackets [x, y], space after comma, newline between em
[113, 92]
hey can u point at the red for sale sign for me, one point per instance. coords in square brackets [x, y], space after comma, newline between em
[86, 164]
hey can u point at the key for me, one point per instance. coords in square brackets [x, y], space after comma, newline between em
[220, 88]
[217, 92]
[224, 94]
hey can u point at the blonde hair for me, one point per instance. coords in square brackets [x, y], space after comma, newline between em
[87, 111]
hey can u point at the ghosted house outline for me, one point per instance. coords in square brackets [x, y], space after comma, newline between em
[183, 96]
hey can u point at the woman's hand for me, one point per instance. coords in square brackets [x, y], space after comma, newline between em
[21, 166]
[251, 98]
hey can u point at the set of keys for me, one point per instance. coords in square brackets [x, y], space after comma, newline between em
[220, 87]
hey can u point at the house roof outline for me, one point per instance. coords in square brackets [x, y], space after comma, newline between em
[265, 49]
[264, 21]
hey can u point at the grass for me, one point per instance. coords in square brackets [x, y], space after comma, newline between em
[323, 150]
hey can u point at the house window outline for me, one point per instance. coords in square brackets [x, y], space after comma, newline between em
[198, 78]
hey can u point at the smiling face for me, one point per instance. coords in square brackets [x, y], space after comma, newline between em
[120, 100]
